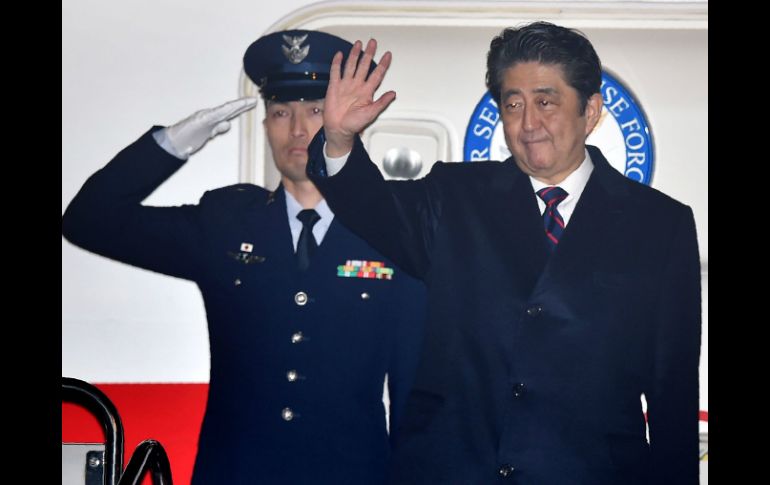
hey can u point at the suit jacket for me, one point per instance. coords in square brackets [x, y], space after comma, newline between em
[298, 359]
[534, 364]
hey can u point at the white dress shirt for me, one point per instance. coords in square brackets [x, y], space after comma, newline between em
[319, 229]
[573, 185]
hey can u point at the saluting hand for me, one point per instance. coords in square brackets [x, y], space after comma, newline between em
[189, 135]
[350, 106]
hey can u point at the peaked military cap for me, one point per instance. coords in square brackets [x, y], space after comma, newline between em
[293, 65]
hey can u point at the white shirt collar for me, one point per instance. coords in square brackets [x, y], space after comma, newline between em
[319, 229]
[574, 184]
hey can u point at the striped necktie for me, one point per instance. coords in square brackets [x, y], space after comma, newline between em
[552, 220]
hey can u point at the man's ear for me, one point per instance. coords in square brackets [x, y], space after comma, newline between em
[593, 112]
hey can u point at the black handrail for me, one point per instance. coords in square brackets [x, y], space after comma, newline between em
[88, 396]
[149, 455]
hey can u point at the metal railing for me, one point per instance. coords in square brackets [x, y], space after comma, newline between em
[149, 455]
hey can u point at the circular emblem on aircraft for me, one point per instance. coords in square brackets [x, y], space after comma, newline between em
[622, 134]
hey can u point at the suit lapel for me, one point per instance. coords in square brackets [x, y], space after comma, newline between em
[276, 231]
[522, 229]
[596, 218]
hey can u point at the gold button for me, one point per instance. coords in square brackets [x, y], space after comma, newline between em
[291, 375]
[297, 337]
[300, 298]
[287, 414]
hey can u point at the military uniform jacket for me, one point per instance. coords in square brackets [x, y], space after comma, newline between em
[533, 366]
[298, 359]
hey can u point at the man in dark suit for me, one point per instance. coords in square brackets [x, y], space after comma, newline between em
[559, 292]
[305, 318]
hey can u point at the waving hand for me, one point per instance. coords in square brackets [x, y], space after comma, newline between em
[350, 105]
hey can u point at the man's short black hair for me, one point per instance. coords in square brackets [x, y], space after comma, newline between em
[546, 43]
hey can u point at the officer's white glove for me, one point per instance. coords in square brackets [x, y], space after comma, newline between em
[189, 135]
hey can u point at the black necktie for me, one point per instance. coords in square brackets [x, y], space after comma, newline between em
[552, 220]
[306, 244]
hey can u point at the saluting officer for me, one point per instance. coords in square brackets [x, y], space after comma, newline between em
[305, 319]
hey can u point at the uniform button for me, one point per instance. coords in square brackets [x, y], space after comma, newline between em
[287, 414]
[297, 337]
[291, 375]
[237, 282]
[364, 296]
[534, 311]
[519, 389]
[300, 298]
[505, 471]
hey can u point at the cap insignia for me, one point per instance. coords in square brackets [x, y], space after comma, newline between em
[294, 52]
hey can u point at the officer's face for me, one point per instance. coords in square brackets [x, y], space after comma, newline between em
[290, 126]
[542, 122]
